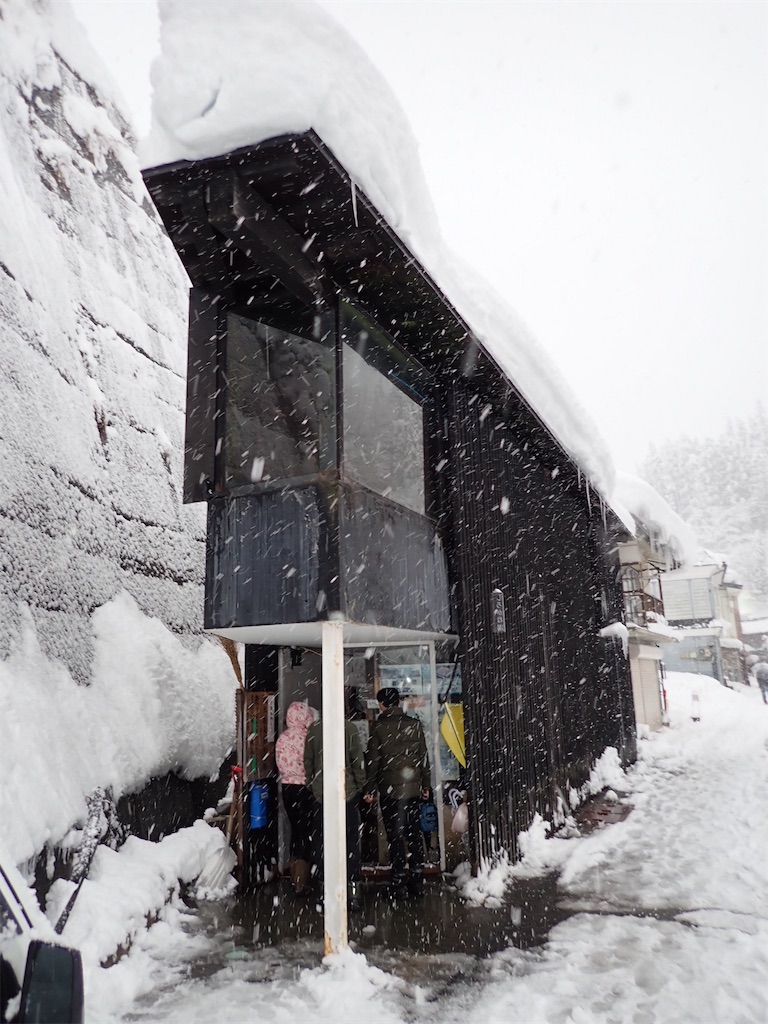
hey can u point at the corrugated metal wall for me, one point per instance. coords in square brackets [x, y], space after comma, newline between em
[393, 567]
[265, 558]
[688, 600]
[545, 695]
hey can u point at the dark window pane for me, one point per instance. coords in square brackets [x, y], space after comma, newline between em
[280, 419]
[383, 419]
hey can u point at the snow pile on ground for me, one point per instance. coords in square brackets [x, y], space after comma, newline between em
[126, 889]
[238, 987]
[348, 989]
[543, 848]
[154, 706]
[236, 72]
[673, 921]
[492, 880]
[668, 913]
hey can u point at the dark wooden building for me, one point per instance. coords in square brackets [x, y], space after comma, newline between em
[365, 460]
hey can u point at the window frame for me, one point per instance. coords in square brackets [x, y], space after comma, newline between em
[415, 383]
[279, 323]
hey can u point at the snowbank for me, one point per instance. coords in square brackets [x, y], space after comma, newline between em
[104, 678]
[237, 72]
[127, 888]
[154, 706]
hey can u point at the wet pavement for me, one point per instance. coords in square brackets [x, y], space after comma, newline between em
[442, 922]
[606, 808]
[433, 944]
[438, 945]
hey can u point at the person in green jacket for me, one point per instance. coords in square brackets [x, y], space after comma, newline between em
[354, 782]
[397, 764]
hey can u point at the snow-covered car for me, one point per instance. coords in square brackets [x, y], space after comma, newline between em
[40, 979]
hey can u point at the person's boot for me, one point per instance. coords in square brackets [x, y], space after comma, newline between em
[300, 870]
[416, 883]
[399, 890]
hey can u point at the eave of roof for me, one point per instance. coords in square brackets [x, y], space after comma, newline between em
[356, 250]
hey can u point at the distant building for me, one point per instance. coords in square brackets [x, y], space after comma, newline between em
[702, 602]
[755, 633]
[648, 637]
[659, 543]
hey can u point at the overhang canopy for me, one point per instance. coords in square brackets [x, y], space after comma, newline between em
[284, 226]
[309, 634]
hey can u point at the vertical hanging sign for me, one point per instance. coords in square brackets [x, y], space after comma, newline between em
[498, 614]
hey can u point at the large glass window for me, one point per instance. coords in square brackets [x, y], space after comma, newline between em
[383, 414]
[280, 409]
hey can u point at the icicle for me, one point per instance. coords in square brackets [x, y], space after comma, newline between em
[354, 204]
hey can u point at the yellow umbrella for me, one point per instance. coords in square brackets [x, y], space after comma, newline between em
[452, 731]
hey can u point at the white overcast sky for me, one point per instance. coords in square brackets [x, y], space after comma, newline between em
[603, 164]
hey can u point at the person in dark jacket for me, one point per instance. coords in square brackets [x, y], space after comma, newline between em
[354, 780]
[398, 766]
[761, 675]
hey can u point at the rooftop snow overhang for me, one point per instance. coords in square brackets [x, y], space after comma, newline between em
[643, 634]
[686, 631]
[282, 221]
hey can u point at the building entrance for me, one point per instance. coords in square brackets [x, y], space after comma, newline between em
[415, 671]
[428, 678]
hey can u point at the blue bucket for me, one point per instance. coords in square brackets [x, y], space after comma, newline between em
[428, 817]
[258, 804]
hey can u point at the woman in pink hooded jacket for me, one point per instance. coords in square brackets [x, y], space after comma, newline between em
[299, 803]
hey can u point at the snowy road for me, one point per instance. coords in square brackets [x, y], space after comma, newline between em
[670, 916]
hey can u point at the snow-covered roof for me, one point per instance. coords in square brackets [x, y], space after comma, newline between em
[754, 627]
[238, 72]
[731, 643]
[695, 572]
[710, 558]
[661, 630]
[653, 633]
[646, 506]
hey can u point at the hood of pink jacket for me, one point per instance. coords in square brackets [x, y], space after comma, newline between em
[299, 715]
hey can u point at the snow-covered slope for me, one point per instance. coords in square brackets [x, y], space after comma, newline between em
[236, 72]
[92, 348]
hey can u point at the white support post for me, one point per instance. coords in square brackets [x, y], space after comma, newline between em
[437, 773]
[334, 796]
